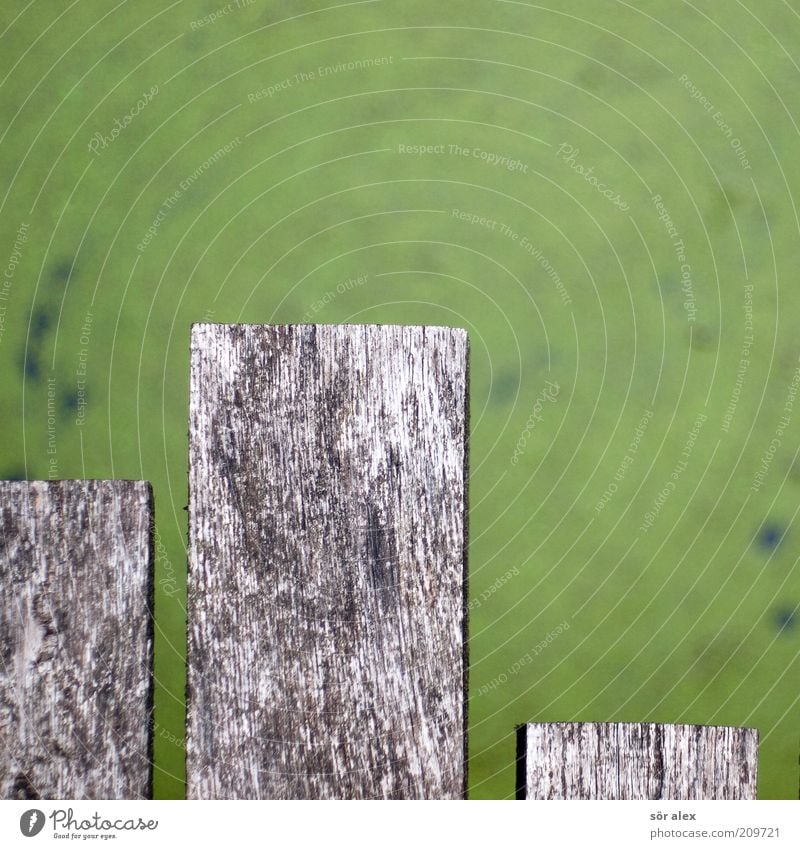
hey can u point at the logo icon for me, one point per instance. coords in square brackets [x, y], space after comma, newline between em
[31, 822]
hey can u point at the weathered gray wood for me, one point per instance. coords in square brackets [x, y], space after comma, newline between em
[327, 562]
[76, 639]
[574, 760]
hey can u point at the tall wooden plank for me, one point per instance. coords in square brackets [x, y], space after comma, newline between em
[574, 760]
[76, 639]
[327, 562]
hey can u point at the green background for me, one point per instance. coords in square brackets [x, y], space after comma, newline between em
[693, 619]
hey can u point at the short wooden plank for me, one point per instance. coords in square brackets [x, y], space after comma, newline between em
[575, 760]
[327, 562]
[76, 639]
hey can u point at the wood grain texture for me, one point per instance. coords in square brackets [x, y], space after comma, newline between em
[76, 638]
[327, 562]
[576, 760]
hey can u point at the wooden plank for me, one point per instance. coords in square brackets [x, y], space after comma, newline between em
[574, 760]
[76, 637]
[327, 562]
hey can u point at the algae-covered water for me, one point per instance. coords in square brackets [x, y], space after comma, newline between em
[604, 194]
